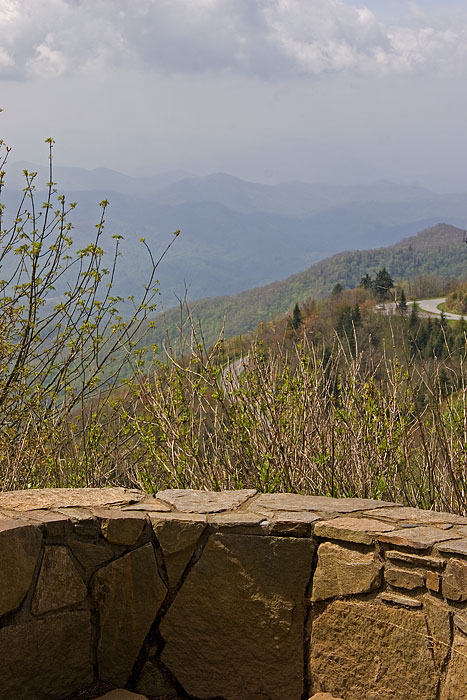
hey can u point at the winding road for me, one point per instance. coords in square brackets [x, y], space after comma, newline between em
[431, 307]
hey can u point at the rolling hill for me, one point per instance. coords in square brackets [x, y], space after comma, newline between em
[438, 250]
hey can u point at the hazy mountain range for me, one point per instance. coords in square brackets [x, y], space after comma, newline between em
[235, 234]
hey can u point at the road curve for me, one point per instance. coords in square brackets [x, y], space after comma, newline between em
[431, 306]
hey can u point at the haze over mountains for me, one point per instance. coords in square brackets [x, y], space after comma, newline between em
[236, 234]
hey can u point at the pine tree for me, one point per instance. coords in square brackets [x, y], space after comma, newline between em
[356, 316]
[413, 320]
[383, 283]
[296, 318]
[366, 282]
[402, 304]
[337, 289]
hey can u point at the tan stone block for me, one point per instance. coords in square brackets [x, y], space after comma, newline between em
[361, 650]
[129, 593]
[400, 600]
[455, 580]
[455, 685]
[120, 527]
[342, 572]
[460, 621]
[415, 515]
[239, 522]
[178, 540]
[292, 523]
[416, 559]
[324, 696]
[56, 524]
[194, 501]
[348, 529]
[454, 547]
[85, 524]
[245, 602]
[20, 544]
[433, 581]
[91, 556]
[49, 658]
[37, 499]
[404, 578]
[59, 584]
[422, 537]
[438, 619]
[321, 504]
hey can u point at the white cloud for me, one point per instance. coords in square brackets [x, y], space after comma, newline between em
[46, 38]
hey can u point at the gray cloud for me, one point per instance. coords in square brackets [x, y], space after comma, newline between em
[269, 38]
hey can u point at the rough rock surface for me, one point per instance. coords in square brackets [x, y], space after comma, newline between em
[342, 572]
[439, 627]
[34, 499]
[193, 501]
[129, 593]
[348, 529]
[59, 584]
[455, 580]
[361, 650]
[84, 605]
[153, 681]
[91, 556]
[178, 539]
[455, 686]
[46, 659]
[19, 549]
[245, 600]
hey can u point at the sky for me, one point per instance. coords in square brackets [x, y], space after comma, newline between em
[333, 91]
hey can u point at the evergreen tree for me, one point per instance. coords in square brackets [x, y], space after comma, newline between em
[296, 318]
[383, 283]
[413, 320]
[366, 282]
[337, 289]
[402, 304]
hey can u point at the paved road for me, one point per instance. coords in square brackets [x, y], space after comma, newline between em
[431, 306]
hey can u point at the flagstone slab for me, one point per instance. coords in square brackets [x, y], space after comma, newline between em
[46, 659]
[20, 544]
[194, 501]
[37, 499]
[245, 600]
[128, 593]
[59, 585]
[348, 529]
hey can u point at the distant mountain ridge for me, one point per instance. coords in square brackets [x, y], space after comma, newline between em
[235, 234]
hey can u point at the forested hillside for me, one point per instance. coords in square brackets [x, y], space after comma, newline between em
[439, 250]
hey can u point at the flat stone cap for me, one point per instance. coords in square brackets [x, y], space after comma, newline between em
[354, 520]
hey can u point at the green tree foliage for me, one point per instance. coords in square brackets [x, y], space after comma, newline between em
[296, 318]
[383, 284]
[63, 338]
[337, 289]
[402, 302]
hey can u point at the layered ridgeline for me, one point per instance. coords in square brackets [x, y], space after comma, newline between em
[439, 250]
[234, 234]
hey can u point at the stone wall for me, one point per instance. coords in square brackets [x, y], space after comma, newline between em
[232, 596]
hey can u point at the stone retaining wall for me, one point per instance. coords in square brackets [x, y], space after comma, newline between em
[232, 596]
